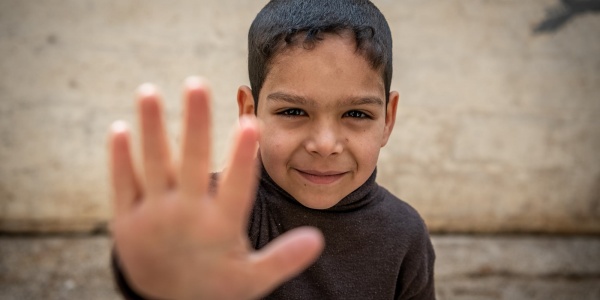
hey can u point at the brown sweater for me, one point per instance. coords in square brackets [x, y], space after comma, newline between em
[376, 245]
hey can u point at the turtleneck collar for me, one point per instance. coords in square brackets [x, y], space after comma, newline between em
[360, 197]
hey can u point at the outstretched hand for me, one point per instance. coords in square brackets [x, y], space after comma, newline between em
[173, 237]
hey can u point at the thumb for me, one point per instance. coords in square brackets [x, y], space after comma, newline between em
[286, 257]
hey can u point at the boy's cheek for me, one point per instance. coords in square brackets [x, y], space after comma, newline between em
[271, 143]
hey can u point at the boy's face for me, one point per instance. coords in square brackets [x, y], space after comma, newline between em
[323, 120]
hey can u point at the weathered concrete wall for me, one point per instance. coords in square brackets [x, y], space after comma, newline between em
[498, 128]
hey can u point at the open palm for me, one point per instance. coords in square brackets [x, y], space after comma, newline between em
[174, 236]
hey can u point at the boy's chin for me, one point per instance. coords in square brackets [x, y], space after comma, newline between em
[319, 202]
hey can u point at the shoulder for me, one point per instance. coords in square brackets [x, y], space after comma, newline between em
[415, 278]
[399, 213]
[399, 225]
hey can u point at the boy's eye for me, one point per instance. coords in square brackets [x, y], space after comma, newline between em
[356, 114]
[292, 112]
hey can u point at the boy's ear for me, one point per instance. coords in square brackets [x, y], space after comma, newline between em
[245, 101]
[390, 116]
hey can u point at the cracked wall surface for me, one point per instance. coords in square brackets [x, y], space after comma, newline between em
[498, 127]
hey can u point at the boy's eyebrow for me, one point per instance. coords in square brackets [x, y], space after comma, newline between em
[292, 99]
[299, 100]
[365, 101]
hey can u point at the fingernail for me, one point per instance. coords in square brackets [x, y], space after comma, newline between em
[146, 89]
[193, 81]
[119, 126]
[247, 122]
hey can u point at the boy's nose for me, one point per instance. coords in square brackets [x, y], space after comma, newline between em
[324, 141]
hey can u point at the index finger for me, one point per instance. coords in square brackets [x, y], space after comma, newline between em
[237, 188]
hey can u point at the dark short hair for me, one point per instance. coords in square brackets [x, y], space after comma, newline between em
[283, 23]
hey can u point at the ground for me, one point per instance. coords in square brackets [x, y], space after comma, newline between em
[468, 267]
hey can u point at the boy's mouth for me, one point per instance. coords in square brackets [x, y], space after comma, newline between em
[318, 177]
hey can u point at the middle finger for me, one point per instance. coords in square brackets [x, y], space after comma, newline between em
[195, 150]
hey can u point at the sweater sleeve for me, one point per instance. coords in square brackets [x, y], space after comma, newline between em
[121, 282]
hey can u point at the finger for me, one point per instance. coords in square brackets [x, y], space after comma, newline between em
[286, 257]
[195, 150]
[237, 188]
[124, 182]
[155, 147]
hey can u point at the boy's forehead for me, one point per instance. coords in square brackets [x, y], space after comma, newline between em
[340, 48]
[330, 75]
[301, 44]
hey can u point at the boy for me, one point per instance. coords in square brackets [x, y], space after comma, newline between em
[320, 108]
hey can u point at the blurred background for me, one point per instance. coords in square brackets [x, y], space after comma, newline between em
[497, 140]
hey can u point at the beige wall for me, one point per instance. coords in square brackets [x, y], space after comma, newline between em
[498, 128]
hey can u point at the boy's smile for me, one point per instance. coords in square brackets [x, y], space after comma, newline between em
[323, 120]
